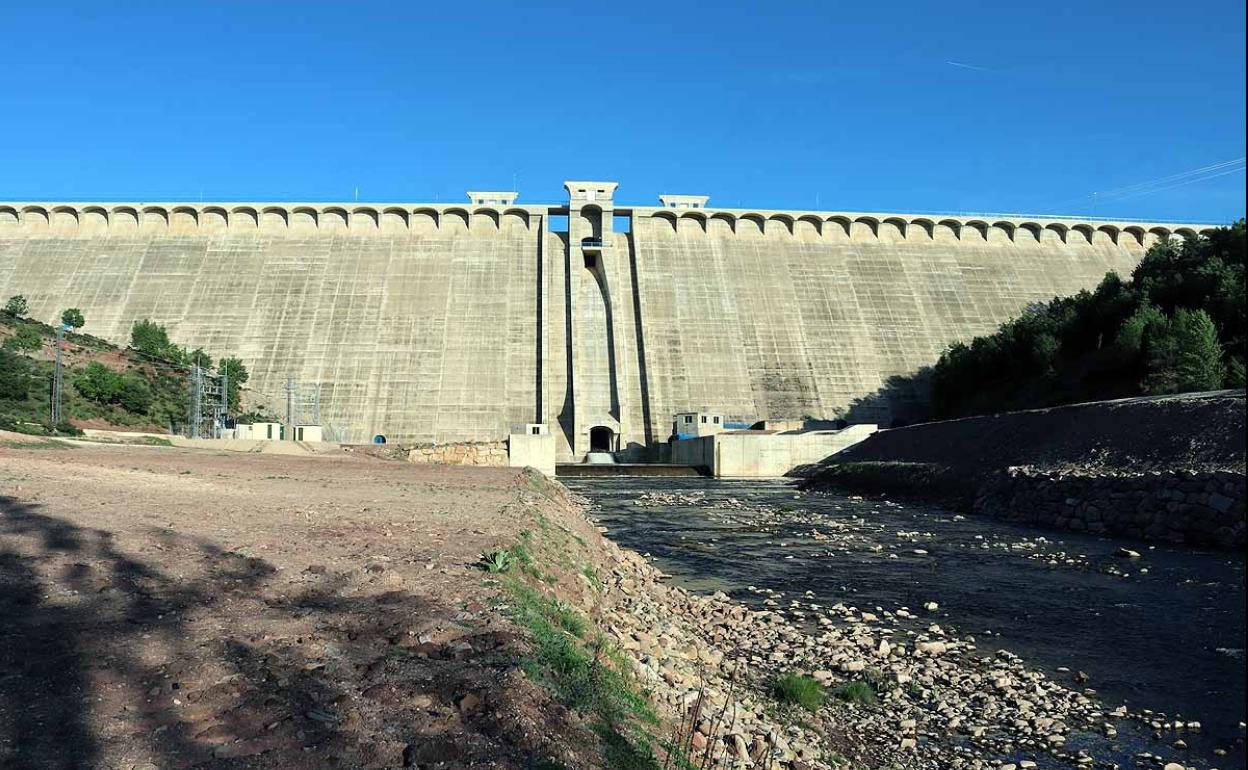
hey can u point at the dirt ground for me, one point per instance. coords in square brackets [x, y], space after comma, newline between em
[171, 608]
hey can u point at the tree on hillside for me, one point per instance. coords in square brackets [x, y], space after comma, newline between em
[1200, 364]
[134, 394]
[96, 382]
[1179, 324]
[199, 358]
[16, 306]
[14, 376]
[73, 318]
[153, 340]
[236, 375]
[26, 338]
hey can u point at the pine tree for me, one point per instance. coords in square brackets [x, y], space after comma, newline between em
[1199, 354]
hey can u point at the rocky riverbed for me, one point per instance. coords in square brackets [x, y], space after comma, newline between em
[971, 636]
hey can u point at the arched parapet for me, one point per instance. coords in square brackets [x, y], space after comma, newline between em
[213, 219]
[1028, 233]
[1080, 235]
[778, 226]
[454, 220]
[63, 220]
[515, 219]
[892, 230]
[1054, 232]
[751, 225]
[154, 220]
[1105, 235]
[808, 228]
[947, 231]
[9, 220]
[183, 220]
[1208, 231]
[304, 219]
[244, 219]
[274, 219]
[691, 224]
[35, 219]
[722, 224]
[424, 221]
[94, 221]
[364, 221]
[665, 216]
[1186, 233]
[485, 220]
[1132, 237]
[838, 229]
[123, 220]
[333, 220]
[974, 231]
[1001, 232]
[394, 221]
[864, 229]
[920, 229]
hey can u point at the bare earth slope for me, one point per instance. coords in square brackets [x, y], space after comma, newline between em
[175, 608]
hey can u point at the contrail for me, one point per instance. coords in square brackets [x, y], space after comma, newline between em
[968, 66]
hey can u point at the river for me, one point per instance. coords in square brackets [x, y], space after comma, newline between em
[1164, 631]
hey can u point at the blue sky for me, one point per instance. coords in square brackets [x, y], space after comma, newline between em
[1005, 107]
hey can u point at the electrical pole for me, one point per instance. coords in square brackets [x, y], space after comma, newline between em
[223, 409]
[290, 408]
[58, 384]
[197, 403]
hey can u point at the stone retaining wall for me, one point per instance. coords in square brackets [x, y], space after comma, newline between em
[492, 453]
[1197, 507]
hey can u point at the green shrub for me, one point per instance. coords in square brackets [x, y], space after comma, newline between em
[798, 690]
[498, 561]
[14, 376]
[96, 382]
[25, 338]
[134, 394]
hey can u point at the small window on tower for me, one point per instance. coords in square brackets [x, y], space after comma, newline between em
[688, 419]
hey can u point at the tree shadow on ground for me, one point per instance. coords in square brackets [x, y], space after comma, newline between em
[216, 659]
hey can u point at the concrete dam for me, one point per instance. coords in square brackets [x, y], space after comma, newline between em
[441, 323]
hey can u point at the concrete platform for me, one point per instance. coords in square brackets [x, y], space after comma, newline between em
[627, 469]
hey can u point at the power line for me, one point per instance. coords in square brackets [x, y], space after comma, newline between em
[1159, 184]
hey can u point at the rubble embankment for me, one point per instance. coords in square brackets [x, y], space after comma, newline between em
[1167, 468]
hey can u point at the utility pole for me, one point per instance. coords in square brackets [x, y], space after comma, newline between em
[197, 403]
[290, 408]
[58, 383]
[223, 408]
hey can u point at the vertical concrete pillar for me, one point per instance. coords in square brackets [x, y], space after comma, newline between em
[592, 308]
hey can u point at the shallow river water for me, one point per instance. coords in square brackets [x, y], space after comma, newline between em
[1163, 632]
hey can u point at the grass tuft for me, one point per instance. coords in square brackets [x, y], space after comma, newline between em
[798, 690]
[857, 692]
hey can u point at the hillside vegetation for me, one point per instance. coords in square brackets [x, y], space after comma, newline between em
[142, 387]
[1177, 325]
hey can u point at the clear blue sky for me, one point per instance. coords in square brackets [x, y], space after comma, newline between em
[1008, 106]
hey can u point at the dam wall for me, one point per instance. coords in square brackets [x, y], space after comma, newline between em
[442, 324]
